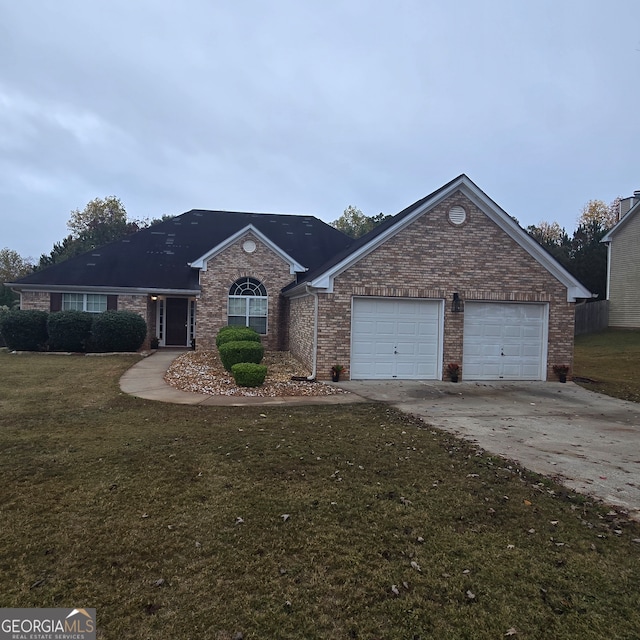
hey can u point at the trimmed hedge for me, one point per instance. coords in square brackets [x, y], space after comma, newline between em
[249, 374]
[242, 351]
[117, 331]
[24, 330]
[236, 334]
[69, 330]
[3, 310]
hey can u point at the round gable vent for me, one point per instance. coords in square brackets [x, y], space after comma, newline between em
[249, 246]
[457, 215]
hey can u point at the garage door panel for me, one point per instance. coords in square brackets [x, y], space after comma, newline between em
[361, 349]
[512, 351]
[364, 327]
[384, 328]
[368, 305]
[492, 330]
[504, 341]
[513, 332]
[396, 338]
[402, 349]
[407, 329]
[430, 350]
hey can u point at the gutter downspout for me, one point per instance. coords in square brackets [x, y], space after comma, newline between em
[314, 292]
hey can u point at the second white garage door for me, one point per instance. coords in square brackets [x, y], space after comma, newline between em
[504, 341]
[396, 338]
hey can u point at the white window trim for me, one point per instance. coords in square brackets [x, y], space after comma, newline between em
[246, 298]
[84, 302]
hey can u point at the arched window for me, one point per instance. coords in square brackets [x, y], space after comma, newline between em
[248, 304]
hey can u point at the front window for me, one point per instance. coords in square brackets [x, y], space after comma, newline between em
[91, 302]
[248, 304]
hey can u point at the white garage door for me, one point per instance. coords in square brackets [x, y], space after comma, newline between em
[504, 341]
[396, 338]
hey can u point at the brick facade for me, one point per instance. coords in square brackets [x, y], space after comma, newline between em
[38, 300]
[137, 303]
[432, 258]
[222, 271]
[301, 325]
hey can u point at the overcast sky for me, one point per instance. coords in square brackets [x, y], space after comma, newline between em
[292, 106]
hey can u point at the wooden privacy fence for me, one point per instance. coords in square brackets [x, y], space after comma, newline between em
[592, 317]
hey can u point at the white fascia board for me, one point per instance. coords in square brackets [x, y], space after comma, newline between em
[66, 288]
[201, 262]
[493, 211]
[575, 289]
[325, 280]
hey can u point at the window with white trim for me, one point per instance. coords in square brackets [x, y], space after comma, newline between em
[248, 304]
[91, 302]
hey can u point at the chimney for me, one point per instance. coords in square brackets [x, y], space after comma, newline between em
[627, 203]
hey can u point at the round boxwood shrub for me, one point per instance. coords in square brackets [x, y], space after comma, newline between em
[117, 331]
[24, 330]
[249, 374]
[236, 334]
[242, 351]
[69, 330]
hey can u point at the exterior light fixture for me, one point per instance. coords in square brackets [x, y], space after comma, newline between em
[456, 304]
[154, 298]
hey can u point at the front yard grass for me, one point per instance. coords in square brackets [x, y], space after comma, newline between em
[308, 522]
[609, 363]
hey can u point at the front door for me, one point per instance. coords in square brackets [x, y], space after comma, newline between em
[177, 316]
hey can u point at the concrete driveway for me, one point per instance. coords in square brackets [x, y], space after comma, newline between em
[587, 441]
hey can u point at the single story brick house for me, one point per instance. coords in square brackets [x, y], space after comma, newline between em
[623, 262]
[451, 278]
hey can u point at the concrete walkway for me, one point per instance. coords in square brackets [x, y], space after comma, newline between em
[146, 380]
[586, 441]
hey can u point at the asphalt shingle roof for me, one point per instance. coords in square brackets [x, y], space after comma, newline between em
[158, 257]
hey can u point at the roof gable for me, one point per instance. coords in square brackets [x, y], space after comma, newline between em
[201, 262]
[324, 277]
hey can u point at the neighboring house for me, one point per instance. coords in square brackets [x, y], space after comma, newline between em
[450, 278]
[623, 271]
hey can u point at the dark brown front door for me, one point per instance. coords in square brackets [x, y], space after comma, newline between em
[177, 322]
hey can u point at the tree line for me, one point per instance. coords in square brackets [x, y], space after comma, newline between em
[102, 220]
[582, 253]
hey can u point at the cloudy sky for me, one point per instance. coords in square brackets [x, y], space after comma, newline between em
[293, 106]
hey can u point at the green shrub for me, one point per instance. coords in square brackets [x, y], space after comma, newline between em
[236, 334]
[69, 330]
[241, 351]
[228, 328]
[249, 374]
[24, 330]
[117, 331]
[3, 310]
